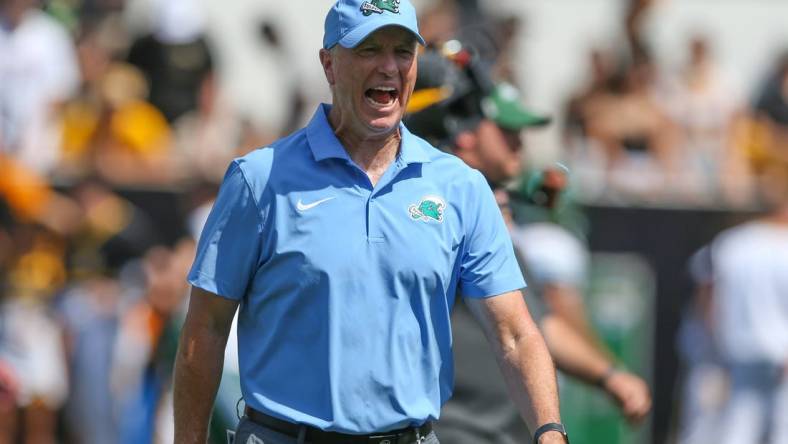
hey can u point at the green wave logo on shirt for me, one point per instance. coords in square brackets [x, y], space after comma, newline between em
[429, 208]
[378, 6]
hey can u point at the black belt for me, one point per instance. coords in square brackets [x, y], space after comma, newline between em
[317, 436]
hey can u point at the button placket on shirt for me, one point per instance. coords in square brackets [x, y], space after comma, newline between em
[375, 235]
[374, 232]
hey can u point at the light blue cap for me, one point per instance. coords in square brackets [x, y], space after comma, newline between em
[351, 21]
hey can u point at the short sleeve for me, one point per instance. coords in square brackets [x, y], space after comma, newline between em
[229, 248]
[488, 266]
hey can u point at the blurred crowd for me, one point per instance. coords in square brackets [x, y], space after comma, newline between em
[638, 133]
[92, 292]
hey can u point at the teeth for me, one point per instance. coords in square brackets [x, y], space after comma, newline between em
[385, 88]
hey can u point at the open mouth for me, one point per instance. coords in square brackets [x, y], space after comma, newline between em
[381, 95]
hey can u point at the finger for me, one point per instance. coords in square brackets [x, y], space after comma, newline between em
[638, 410]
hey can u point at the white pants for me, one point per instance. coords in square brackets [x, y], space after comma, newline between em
[703, 398]
[758, 406]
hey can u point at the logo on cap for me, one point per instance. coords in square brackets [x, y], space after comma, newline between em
[378, 6]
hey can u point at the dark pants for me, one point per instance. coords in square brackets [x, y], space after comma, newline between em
[249, 432]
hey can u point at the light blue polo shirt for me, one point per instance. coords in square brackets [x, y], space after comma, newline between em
[345, 289]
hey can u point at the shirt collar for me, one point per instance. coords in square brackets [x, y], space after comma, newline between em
[413, 149]
[321, 137]
[325, 144]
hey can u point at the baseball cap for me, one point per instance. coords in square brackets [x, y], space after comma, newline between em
[503, 106]
[349, 22]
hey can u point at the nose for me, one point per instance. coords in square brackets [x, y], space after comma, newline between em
[387, 63]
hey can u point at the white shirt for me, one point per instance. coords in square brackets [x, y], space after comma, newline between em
[751, 292]
[552, 254]
[38, 67]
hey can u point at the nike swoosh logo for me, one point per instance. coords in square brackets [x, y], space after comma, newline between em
[300, 206]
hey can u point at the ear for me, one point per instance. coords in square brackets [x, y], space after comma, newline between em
[327, 61]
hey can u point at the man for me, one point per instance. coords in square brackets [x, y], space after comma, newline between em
[750, 318]
[557, 263]
[344, 245]
[38, 71]
[705, 380]
[456, 106]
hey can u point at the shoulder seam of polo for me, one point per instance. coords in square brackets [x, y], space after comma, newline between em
[474, 176]
[251, 196]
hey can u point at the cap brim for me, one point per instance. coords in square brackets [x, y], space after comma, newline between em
[361, 32]
[512, 115]
[515, 120]
[503, 107]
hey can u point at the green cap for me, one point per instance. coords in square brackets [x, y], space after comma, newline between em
[503, 107]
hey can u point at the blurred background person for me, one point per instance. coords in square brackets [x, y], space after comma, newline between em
[146, 344]
[32, 342]
[637, 139]
[555, 257]
[453, 109]
[8, 378]
[174, 57]
[704, 380]
[38, 71]
[89, 308]
[770, 127]
[118, 135]
[709, 112]
[750, 303]
[113, 233]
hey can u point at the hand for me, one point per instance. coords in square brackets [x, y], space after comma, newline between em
[631, 393]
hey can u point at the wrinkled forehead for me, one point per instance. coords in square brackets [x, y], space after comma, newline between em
[394, 35]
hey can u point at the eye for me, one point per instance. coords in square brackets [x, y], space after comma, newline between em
[405, 52]
[366, 51]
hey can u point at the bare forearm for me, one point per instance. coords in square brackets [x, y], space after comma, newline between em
[566, 302]
[523, 357]
[530, 376]
[198, 370]
[572, 352]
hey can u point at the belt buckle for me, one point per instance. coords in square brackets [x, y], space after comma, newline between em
[383, 439]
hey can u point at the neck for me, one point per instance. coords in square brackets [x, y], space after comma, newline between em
[371, 152]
